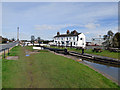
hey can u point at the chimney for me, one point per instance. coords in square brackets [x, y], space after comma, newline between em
[58, 33]
[68, 32]
[74, 32]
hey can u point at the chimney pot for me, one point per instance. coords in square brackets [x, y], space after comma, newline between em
[58, 33]
[68, 32]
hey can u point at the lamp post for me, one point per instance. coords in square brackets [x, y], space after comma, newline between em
[17, 33]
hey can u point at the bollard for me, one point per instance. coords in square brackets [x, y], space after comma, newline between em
[82, 51]
[65, 50]
[8, 51]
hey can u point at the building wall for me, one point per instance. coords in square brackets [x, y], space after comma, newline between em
[0, 39]
[71, 41]
[81, 40]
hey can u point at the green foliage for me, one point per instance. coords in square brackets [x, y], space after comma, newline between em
[14, 51]
[108, 39]
[116, 40]
[112, 40]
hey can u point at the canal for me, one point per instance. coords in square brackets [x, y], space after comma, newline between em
[107, 69]
[112, 71]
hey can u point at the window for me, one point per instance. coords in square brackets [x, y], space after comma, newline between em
[62, 42]
[70, 38]
[74, 43]
[73, 38]
[83, 43]
[77, 38]
[80, 38]
[67, 38]
[62, 38]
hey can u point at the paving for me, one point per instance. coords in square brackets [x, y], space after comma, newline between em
[12, 57]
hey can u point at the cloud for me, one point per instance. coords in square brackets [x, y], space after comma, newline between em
[55, 27]
[48, 18]
[59, 27]
[60, 0]
[92, 25]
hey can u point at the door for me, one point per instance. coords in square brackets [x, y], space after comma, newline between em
[71, 44]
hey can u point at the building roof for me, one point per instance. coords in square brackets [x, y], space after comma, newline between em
[65, 35]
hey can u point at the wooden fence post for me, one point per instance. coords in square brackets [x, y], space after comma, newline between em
[8, 51]
[4, 53]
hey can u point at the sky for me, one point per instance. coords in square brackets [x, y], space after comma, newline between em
[45, 19]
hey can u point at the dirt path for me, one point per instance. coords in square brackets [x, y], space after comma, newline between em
[35, 77]
[29, 65]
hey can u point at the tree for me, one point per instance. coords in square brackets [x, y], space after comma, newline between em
[32, 39]
[108, 39]
[4, 40]
[38, 39]
[13, 39]
[116, 40]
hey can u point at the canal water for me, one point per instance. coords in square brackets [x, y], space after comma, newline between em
[109, 70]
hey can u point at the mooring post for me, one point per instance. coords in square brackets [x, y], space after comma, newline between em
[8, 51]
[4, 53]
[82, 51]
[65, 50]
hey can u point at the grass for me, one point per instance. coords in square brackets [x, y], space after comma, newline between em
[105, 53]
[47, 70]
[0, 73]
[14, 51]
[29, 48]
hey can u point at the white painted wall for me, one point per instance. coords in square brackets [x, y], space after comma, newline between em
[73, 39]
[81, 43]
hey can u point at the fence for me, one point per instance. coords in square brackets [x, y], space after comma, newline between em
[87, 56]
[64, 51]
[4, 52]
[7, 47]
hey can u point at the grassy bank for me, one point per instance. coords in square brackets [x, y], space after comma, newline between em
[105, 53]
[47, 70]
[0, 73]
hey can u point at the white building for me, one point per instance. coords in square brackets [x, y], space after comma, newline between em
[73, 39]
